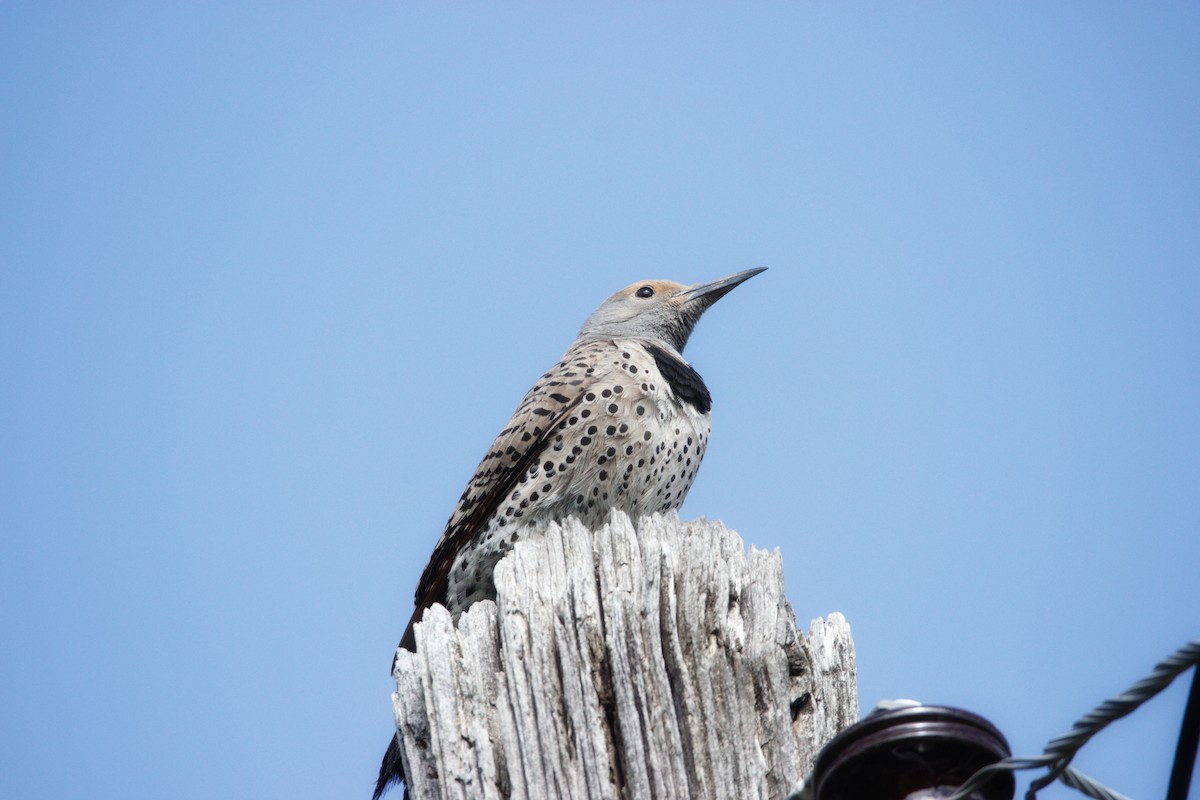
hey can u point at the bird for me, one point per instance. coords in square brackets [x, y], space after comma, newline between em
[621, 421]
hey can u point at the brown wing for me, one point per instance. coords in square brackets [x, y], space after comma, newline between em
[517, 447]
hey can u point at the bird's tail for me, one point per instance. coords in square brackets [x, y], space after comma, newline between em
[391, 770]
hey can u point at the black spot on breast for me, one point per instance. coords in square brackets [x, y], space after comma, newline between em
[684, 381]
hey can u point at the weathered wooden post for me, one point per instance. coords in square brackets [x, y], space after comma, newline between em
[656, 662]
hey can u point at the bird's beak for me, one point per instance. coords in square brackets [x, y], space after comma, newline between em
[706, 294]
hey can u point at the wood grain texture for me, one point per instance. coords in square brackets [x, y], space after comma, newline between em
[656, 662]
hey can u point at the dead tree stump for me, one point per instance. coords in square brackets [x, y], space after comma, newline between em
[656, 662]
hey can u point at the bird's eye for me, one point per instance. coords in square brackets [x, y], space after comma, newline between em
[645, 291]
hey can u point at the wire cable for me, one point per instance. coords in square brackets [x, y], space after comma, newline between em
[1189, 743]
[1060, 751]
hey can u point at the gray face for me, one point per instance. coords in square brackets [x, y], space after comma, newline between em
[662, 312]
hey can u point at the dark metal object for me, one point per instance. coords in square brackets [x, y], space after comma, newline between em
[915, 753]
[1189, 743]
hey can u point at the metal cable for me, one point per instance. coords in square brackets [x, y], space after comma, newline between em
[1062, 749]
[1077, 780]
[1189, 743]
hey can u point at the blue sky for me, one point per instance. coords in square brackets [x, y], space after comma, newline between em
[273, 276]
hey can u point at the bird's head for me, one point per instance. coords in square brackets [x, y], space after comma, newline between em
[663, 312]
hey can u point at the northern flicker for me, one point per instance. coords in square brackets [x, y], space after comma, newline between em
[621, 421]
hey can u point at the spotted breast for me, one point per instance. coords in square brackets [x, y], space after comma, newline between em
[622, 421]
